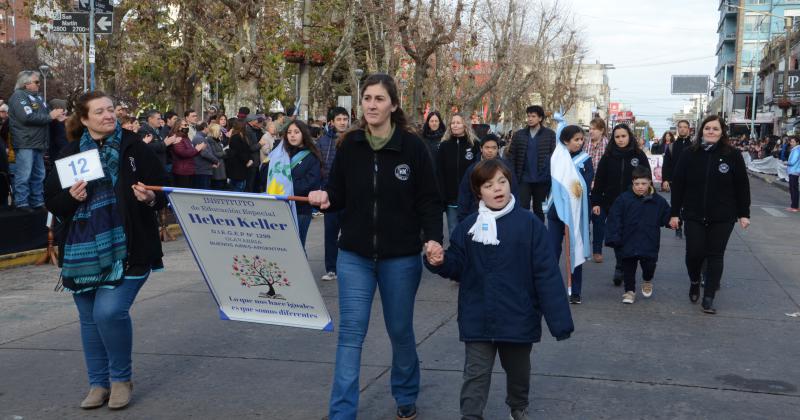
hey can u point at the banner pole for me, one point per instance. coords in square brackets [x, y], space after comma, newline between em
[569, 262]
[171, 189]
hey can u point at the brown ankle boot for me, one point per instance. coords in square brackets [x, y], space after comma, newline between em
[96, 398]
[120, 395]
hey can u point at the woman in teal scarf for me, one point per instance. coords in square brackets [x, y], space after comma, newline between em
[110, 242]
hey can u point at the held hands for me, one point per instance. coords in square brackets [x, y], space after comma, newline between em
[78, 191]
[596, 210]
[249, 163]
[147, 139]
[169, 141]
[144, 195]
[674, 223]
[744, 222]
[58, 115]
[319, 199]
[200, 147]
[434, 253]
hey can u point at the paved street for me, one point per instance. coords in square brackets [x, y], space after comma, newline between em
[657, 359]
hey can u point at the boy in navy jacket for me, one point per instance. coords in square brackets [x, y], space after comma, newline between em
[509, 278]
[634, 224]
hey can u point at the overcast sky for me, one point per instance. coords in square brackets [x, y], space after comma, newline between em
[648, 41]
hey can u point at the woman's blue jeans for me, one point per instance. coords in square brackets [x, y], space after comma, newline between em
[598, 230]
[555, 230]
[398, 280]
[303, 223]
[107, 331]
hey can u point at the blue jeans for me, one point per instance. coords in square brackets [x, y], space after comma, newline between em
[452, 218]
[107, 332]
[29, 178]
[331, 238]
[555, 230]
[303, 223]
[598, 231]
[238, 185]
[398, 280]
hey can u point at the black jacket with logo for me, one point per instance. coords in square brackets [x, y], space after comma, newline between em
[711, 186]
[137, 163]
[613, 175]
[672, 155]
[390, 197]
[452, 160]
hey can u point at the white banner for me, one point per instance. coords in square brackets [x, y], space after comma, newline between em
[248, 249]
[656, 165]
[769, 165]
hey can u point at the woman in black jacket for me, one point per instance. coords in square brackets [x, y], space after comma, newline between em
[613, 177]
[238, 157]
[432, 133]
[381, 178]
[110, 244]
[459, 149]
[710, 191]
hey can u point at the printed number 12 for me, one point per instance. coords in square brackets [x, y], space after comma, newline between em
[83, 169]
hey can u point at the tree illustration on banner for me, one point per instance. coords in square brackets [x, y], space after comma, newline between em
[256, 271]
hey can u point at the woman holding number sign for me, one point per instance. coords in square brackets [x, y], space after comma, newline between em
[383, 179]
[111, 242]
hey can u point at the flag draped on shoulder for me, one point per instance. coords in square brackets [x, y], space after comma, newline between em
[279, 176]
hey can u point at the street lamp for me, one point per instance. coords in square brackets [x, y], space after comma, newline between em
[358, 73]
[44, 69]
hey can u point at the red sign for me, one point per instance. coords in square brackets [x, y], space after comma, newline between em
[613, 107]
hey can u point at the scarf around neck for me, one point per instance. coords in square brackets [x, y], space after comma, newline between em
[484, 230]
[96, 245]
[377, 143]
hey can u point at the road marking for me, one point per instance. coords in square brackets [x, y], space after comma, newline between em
[774, 212]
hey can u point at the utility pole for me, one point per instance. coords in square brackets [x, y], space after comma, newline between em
[91, 45]
[303, 110]
[788, 22]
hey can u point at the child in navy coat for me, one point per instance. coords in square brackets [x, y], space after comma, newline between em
[509, 278]
[634, 225]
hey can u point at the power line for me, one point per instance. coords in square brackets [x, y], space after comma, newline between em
[666, 62]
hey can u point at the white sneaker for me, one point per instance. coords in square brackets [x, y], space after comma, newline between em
[629, 297]
[647, 289]
[329, 276]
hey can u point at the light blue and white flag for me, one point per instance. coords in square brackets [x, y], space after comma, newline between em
[569, 195]
[279, 177]
[562, 122]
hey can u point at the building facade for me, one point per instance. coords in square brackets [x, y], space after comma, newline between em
[593, 94]
[15, 26]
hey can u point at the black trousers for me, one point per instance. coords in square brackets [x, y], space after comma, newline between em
[516, 361]
[629, 271]
[533, 191]
[794, 193]
[706, 243]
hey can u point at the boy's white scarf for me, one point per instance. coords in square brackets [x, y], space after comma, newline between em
[485, 228]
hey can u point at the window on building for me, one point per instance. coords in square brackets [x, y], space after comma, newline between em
[754, 2]
[756, 23]
[751, 53]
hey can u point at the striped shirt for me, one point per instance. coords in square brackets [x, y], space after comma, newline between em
[595, 151]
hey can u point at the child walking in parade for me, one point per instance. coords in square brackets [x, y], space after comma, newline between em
[572, 138]
[634, 226]
[509, 278]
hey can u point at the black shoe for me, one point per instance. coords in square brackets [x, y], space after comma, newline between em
[679, 233]
[407, 412]
[618, 278]
[694, 292]
[575, 299]
[708, 305]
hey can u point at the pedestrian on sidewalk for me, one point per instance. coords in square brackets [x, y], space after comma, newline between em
[338, 123]
[459, 149]
[634, 226]
[793, 168]
[183, 153]
[529, 152]
[509, 278]
[710, 191]
[613, 177]
[381, 180]
[112, 243]
[596, 148]
[572, 138]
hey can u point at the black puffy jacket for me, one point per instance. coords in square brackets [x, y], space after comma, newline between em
[613, 175]
[452, 160]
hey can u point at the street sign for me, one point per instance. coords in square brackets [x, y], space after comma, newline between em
[100, 6]
[78, 23]
[689, 85]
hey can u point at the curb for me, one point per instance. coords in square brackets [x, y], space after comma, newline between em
[19, 259]
[770, 179]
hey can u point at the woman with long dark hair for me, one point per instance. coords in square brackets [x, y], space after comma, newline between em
[306, 169]
[183, 153]
[110, 244]
[613, 177]
[381, 178]
[432, 132]
[238, 156]
[710, 192]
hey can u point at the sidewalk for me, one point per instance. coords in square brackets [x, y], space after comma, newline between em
[658, 359]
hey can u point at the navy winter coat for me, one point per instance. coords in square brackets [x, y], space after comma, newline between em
[467, 202]
[634, 224]
[306, 177]
[505, 289]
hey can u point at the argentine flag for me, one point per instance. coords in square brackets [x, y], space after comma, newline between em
[279, 177]
[569, 195]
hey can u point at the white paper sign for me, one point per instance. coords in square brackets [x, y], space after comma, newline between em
[84, 166]
[248, 249]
